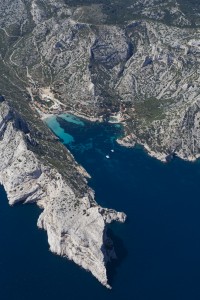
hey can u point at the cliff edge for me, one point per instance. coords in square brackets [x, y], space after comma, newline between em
[75, 225]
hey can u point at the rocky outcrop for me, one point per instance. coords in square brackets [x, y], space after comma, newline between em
[76, 227]
[145, 70]
[134, 61]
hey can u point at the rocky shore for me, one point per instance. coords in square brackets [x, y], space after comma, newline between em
[134, 63]
[76, 226]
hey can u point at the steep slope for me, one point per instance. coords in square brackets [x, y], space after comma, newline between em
[145, 71]
[76, 225]
[135, 63]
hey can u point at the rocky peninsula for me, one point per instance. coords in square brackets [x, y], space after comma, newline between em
[75, 223]
[134, 63]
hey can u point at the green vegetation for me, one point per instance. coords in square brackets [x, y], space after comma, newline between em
[33, 46]
[191, 8]
[106, 12]
[51, 152]
[150, 109]
[121, 12]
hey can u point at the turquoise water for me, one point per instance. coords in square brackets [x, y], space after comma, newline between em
[158, 247]
[72, 119]
[54, 126]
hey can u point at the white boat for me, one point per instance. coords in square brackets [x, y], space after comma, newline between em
[107, 156]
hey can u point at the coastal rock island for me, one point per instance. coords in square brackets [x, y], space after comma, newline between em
[134, 63]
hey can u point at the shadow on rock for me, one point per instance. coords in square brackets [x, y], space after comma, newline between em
[121, 253]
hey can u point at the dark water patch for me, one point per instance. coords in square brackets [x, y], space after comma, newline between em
[121, 254]
[162, 203]
[158, 247]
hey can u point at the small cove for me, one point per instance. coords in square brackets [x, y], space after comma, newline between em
[158, 247]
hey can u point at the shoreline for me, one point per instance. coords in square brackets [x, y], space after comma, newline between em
[128, 141]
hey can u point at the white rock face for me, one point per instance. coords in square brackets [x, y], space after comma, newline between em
[76, 227]
[140, 63]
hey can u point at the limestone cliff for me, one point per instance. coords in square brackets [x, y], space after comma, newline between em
[136, 61]
[76, 226]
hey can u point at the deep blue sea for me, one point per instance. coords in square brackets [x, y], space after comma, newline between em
[158, 248]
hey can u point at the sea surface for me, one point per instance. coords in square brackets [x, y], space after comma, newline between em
[158, 248]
